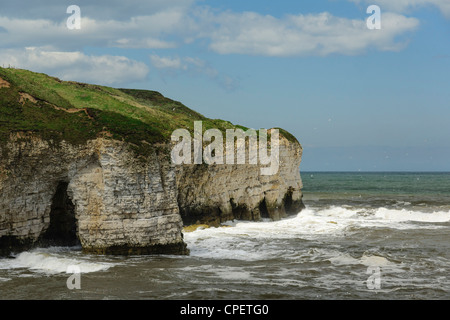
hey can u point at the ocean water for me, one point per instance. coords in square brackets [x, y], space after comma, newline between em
[361, 236]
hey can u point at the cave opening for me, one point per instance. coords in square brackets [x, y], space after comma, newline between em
[288, 203]
[62, 230]
[264, 212]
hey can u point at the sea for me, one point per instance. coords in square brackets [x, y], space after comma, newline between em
[361, 236]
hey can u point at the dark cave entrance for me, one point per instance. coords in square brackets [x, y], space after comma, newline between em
[288, 203]
[62, 230]
[263, 211]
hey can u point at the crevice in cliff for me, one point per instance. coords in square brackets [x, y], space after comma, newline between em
[288, 200]
[240, 211]
[263, 211]
[62, 230]
[12, 244]
[292, 206]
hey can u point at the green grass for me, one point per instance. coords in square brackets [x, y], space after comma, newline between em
[141, 117]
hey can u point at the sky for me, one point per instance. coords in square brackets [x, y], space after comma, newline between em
[356, 97]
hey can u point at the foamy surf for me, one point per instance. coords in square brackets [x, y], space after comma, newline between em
[404, 215]
[390, 243]
[242, 240]
[337, 258]
[51, 262]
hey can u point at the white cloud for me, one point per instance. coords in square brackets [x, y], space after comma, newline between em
[117, 10]
[166, 62]
[225, 32]
[77, 66]
[194, 67]
[137, 32]
[148, 43]
[298, 35]
[46, 44]
[404, 6]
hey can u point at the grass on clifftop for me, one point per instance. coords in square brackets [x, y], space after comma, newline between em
[76, 112]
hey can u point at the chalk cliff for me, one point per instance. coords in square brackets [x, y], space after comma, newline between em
[90, 165]
[116, 203]
[217, 193]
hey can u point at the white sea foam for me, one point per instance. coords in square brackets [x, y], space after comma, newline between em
[338, 258]
[407, 215]
[51, 263]
[238, 240]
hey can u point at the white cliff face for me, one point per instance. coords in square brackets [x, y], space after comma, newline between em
[125, 204]
[119, 204]
[217, 193]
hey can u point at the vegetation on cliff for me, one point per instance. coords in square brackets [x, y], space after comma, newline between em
[76, 112]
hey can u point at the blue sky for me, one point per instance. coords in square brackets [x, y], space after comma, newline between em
[356, 99]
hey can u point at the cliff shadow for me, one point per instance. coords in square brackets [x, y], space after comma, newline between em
[62, 230]
[263, 211]
[292, 206]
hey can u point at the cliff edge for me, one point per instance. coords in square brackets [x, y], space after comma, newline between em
[90, 165]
